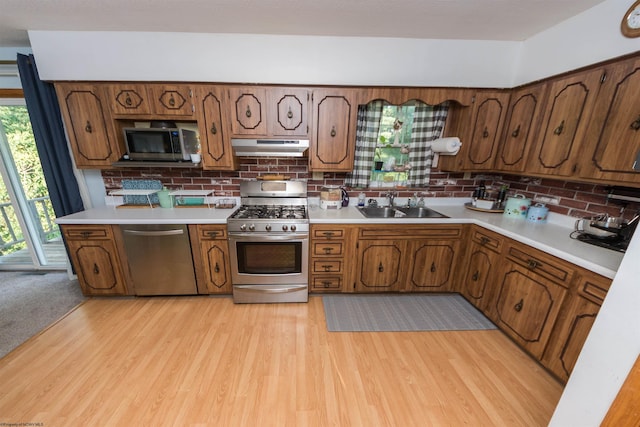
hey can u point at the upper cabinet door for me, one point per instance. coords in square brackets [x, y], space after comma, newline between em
[128, 99]
[248, 111]
[288, 111]
[332, 146]
[614, 131]
[215, 144]
[489, 111]
[171, 100]
[520, 128]
[568, 109]
[89, 125]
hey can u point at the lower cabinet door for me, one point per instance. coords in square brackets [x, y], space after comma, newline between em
[379, 266]
[479, 277]
[97, 267]
[527, 306]
[432, 265]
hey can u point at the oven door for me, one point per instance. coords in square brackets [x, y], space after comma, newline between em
[271, 268]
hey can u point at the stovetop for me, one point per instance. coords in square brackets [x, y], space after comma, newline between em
[615, 243]
[273, 212]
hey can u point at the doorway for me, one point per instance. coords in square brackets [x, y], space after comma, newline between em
[29, 237]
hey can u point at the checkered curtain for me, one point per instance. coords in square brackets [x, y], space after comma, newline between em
[366, 139]
[428, 123]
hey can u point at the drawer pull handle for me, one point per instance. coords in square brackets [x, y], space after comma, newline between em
[96, 270]
[532, 264]
[212, 234]
[636, 124]
[518, 306]
[380, 268]
[327, 250]
[214, 129]
[559, 129]
[326, 268]
[484, 240]
[475, 276]
[216, 268]
[433, 267]
[326, 283]
[88, 127]
[328, 233]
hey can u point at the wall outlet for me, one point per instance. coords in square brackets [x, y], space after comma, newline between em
[547, 200]
[317, 176]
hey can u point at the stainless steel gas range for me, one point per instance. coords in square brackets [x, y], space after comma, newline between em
[269, 243]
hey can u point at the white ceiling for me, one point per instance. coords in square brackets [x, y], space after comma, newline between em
[509, 20]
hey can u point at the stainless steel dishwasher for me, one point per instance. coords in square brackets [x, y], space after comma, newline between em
[160, 259]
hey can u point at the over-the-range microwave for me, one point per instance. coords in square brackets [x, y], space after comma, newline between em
[160, 144]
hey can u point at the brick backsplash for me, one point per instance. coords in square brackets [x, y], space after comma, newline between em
[573, 199]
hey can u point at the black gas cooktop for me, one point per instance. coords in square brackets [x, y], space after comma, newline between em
[615, 243]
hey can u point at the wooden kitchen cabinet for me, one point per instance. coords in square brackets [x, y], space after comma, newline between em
[211, 258]
[333, 136]
[479, 128]
[574, 323]
[215, 143]
[520, 128]
[89, 125]
[532, 288]
[330, 253]
[128, 99]
[407, 258]
[94, 251]
[613, 137]
[171, 100]
[248, 110]
[288, 111]
[558, 149]
[481, 267]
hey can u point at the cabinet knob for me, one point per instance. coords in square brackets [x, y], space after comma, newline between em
[635, 125]
[485, 133]
[216, 268]
[88, 127]
[518, 306]
[96, 270]
[475, 276]
[214, 129]
[559, 129]
[289, 113]
[433, 267]
[516, 132]
[333, 131]
[172, 101]
[380, 268]
[128, 100]
[248, 112]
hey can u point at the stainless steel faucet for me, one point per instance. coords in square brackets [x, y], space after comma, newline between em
[391, 197]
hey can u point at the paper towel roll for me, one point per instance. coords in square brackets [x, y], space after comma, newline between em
[446, 146]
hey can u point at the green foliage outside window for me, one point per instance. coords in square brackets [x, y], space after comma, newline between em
[394, 137]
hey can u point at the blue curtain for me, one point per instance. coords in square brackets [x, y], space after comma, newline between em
[51, 141]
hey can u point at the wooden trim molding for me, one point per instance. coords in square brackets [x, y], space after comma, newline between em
[11, 93]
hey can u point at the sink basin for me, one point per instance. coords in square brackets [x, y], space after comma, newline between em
[387, 212]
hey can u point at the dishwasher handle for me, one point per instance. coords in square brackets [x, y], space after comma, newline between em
[155, 233]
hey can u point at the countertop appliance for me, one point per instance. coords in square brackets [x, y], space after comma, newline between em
[606, 232]
[160, 259]
[269, 243]
[160, 144]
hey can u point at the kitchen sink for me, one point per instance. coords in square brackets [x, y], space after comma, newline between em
[388, 212]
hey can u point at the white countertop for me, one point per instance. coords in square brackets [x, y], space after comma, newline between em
[552, 237]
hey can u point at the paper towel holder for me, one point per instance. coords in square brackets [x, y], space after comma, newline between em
[437, 154]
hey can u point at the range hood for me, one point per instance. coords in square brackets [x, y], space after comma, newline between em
[270, 147]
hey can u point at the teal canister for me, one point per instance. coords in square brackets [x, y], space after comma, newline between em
[538, 213]
[517, 207]
[165, 198]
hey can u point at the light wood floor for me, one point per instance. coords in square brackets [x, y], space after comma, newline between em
[204, 361]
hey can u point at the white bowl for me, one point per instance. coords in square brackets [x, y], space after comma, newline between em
[485, 204]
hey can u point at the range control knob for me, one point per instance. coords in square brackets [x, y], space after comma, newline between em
[285, 227]
[267, 227]
[252, 227]
[243, 227]
[293, 227]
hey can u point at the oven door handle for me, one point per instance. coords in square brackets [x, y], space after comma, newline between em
[267, 238]
[264, 290]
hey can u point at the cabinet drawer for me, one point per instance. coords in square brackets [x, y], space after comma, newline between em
[328, 248]
[542, 264]
[407, 232]
[323, 283]
[209, 232]
[87, 232]
[593, 287]
[326, 266]
[487, 239]
[328, 234]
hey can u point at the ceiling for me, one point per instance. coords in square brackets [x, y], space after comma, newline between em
[508, 20]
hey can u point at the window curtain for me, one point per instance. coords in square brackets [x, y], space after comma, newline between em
[428, 123]
[367, 129]
[50, 138]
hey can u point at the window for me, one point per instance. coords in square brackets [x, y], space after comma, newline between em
[393, 144]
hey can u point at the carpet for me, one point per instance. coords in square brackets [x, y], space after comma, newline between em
[424, 312]
[31, 301]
